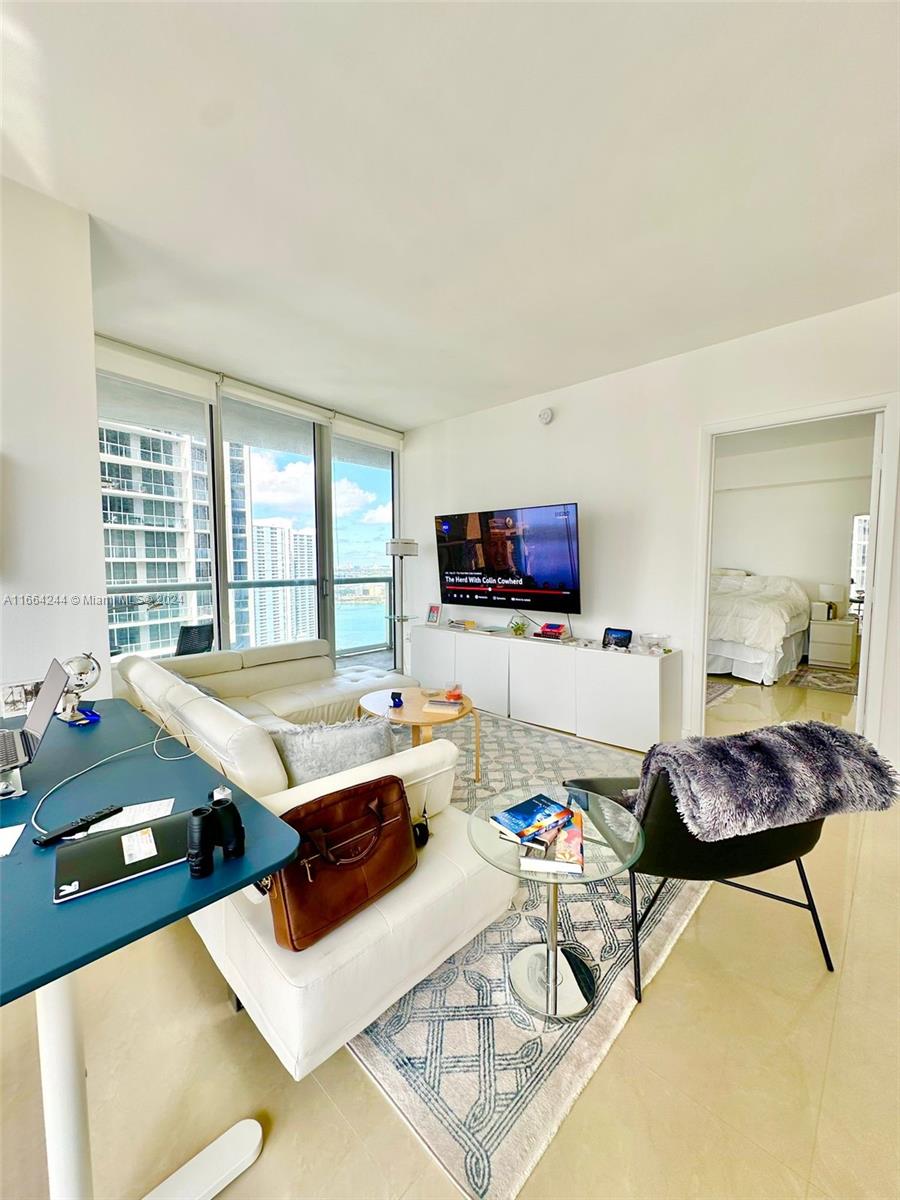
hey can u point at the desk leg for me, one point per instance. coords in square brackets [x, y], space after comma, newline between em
[66, 1129]
[67, 1132]
[426, 733]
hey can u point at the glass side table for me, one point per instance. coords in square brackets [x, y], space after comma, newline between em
[550, 979]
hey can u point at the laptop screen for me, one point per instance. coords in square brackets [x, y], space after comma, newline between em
[45, 703]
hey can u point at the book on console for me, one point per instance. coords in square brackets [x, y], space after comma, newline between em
[531, 816]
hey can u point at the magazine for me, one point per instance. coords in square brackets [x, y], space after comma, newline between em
[565, 856]
[446, 707]
[532, 816]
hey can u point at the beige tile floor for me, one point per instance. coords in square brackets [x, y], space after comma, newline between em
[752, 705]
[747, 1072]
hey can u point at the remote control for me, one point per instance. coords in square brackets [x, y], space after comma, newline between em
[79, 825]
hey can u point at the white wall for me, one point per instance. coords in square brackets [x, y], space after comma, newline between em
[790, 511]
[51, 538]
[627, 448]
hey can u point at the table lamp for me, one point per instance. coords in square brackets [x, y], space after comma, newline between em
[834, 595]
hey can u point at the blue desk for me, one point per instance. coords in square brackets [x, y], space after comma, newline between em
[43, 942]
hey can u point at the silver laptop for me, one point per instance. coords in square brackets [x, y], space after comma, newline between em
[19, 746]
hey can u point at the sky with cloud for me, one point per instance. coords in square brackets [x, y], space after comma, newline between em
[282, 490]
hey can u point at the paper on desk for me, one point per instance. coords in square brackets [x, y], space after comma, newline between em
[8, 838]
[133, 814]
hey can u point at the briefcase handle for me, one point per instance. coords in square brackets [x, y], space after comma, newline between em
[317, 837]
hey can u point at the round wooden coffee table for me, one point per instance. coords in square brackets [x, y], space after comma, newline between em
[421, 723]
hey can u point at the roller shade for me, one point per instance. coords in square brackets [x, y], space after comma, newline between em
[374, 435]
[130, 403]
[140, 366]
[360, 454]
[266, 428]
[274, 401]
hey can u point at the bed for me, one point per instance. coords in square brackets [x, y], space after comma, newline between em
[758, 626]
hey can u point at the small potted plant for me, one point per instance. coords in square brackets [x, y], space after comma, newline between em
[517, 627]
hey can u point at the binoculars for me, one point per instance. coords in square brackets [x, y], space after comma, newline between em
[215, 824]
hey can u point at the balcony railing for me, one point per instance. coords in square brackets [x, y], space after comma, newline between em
[146, 521]
[135, 487]
[363, 607]
[361, 620]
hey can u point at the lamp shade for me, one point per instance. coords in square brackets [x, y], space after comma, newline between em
[835, 592]
[402, 548]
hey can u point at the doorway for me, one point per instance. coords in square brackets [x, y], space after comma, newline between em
[794, 590]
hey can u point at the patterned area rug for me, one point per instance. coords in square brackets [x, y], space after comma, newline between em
[484, 1083]
[717, 691]
[826, 679]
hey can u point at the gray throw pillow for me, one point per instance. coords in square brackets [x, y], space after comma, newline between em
[314, 751]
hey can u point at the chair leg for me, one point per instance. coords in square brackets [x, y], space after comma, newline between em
[820, 933]
[635, 942]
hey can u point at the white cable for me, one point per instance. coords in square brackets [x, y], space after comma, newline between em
[128, 750]
[78, 774]
[174, 757]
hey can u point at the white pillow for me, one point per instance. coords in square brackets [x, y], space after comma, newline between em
[729, 571]
[312, 752]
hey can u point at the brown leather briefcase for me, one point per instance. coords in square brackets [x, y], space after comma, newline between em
[355, 845]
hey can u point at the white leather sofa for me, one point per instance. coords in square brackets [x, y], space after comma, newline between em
[308, 1004]
[295, 680]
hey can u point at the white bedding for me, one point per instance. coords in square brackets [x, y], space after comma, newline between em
[733, 658]
[759, 611]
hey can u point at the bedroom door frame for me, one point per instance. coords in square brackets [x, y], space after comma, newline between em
[885, 467]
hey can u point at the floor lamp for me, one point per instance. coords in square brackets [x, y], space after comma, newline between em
[400, 548]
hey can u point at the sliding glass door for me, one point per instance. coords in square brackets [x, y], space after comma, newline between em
[157, 527]
[362, 484]
[270, 525]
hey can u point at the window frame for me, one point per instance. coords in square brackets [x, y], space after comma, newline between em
[132, 451]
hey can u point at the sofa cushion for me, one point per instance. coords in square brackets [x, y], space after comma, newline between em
[310, 1003]
[314, 751]
[248, 681]
[330, 700]
[427, 772]
[374, 679]
[214, 662]
[260, 656]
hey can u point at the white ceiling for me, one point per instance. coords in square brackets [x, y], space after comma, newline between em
[410, 211]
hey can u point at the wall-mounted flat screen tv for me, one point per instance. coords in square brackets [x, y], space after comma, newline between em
[511, 558]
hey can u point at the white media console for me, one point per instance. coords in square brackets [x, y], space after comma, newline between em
[624, 699]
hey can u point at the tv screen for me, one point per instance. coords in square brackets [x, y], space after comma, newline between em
[511, 558]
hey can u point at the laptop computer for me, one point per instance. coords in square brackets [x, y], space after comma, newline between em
[19, 746]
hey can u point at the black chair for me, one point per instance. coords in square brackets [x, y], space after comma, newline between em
[195, 638]
[672, 852]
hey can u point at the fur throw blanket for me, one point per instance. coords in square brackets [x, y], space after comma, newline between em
[781, 775]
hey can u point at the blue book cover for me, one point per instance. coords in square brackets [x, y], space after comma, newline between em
[531, 816]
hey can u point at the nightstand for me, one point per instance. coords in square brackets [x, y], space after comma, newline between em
[834, 643]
